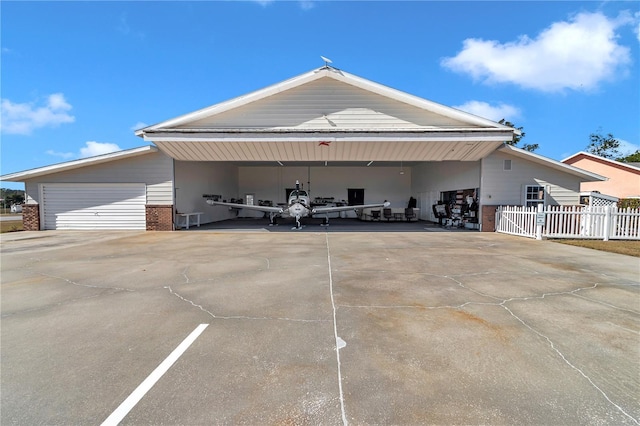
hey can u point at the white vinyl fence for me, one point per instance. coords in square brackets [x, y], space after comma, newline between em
[602, 223]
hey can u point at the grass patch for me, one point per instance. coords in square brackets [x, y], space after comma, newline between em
[10, 226]
[630, 248]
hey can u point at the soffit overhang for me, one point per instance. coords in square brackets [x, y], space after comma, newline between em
[335, 146]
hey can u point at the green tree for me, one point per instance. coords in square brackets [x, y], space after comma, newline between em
[631, 158]
[604, 146]
[11, 196]
[14, 199]
[517, 138]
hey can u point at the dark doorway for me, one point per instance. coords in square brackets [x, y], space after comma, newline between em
[356, 196]
[288, 192]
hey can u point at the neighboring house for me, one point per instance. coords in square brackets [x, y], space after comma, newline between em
[623, 179]
[342, 136]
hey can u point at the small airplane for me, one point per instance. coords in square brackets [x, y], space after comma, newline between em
[299, 206]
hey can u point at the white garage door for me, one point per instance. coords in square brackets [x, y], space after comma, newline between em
[94, 206]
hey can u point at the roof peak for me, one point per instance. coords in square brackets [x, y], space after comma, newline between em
[633, 166]
[326, 71]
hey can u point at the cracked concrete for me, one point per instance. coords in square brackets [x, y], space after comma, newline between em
[318, 328]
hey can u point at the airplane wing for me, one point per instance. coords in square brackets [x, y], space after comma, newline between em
[319, 210]
[246, 206]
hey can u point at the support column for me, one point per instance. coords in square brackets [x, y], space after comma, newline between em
[31, 217]
[159, 217]
[488, 218]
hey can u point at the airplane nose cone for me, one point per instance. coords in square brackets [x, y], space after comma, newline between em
[297, 210]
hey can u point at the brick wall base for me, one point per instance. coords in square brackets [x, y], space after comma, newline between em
[159, 218]
[31, 217]
[489, 218]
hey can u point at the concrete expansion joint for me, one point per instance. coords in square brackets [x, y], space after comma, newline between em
[503, 303]
[572, 293]
[85, 285]
[340, 343]
[241, 317]
[554, 347]
[184, 274]
[569, 363]
[459, 283]
[55, 305]
[498, 301]
[70, 301]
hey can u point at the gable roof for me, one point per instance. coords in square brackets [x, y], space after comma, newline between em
[548, 162]
[631, 167]
[332, 80]
[327, 115]
[76, 164]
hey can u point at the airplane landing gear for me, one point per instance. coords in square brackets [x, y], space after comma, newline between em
[325, 221]
[273, 219]
[298, 225]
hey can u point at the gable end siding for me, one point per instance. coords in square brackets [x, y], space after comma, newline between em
[345, 105]
[500, 187]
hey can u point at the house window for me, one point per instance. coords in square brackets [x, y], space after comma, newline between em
[534, 195]
[506, 165]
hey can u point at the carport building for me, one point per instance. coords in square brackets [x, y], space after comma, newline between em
[342, 136]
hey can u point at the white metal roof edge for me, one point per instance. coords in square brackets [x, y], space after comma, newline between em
[558, 165]
[597, 157]
[416, 101]
[338, 75]
[76, 164]
[235, 102]
[324, 130]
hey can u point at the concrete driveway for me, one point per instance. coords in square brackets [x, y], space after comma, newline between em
[316, 328]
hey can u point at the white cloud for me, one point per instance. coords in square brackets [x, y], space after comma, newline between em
[22, 119]
[123, 25]
[627, 148]
[491, 112]
[139, 125]
[90, 149]
[624, 148]
[576, 54]
[125, 29]
[306, 4]
[63, 155]
[93, 148]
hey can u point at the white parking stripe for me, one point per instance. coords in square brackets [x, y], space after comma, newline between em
[144, 387]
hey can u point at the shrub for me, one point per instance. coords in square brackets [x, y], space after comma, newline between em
[634, 203]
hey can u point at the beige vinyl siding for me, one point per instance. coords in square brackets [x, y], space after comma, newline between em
[345, 106]
[506, 187]
[155, 170]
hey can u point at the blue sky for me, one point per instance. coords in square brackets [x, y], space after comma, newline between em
[78, 77]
